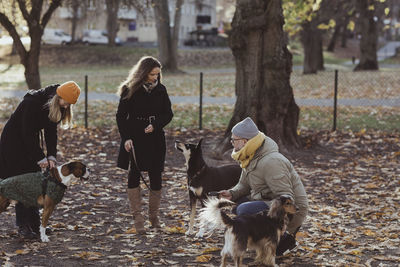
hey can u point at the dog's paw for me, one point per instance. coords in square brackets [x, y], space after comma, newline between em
[43, 235]
[45, 238]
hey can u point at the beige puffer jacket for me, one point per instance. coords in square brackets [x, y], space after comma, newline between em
[269, 175]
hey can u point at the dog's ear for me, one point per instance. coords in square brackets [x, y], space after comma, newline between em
[77, 168]
[199, 144]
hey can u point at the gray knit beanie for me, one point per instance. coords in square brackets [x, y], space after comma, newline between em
[246, 129]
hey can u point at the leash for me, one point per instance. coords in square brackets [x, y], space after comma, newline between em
[132, 157]
[46, 173]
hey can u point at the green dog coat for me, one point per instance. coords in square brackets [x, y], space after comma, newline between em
[26, 188]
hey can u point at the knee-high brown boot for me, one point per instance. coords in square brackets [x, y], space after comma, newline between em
[136, 208]
[154, 206]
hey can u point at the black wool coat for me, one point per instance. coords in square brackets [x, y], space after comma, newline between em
[20, 146]
[132, 118]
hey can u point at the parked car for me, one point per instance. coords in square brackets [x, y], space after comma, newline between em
[56, 36]
[97, 37]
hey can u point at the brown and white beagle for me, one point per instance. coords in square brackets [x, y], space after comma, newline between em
[40, 190]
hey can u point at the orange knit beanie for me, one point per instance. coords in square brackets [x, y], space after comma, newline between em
[69, 91]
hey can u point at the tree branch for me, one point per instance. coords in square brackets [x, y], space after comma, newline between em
[14, 34]
[47, 15]
[24, 11]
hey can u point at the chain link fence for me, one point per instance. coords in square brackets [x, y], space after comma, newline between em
[365, 100]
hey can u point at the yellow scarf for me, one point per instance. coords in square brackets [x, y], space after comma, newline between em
[246, 154]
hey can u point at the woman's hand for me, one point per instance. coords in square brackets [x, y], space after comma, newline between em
[128, 145]
[44, 163]
[149, 129]
[52, 164]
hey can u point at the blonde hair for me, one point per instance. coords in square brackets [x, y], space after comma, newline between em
[138, 76]
[56, 113]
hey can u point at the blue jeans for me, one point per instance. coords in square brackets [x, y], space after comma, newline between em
[245, 206]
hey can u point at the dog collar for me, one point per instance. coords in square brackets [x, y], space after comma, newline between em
[198, 172]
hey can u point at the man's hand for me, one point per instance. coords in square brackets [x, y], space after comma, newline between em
[225, 194]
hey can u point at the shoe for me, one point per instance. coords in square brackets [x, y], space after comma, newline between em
[26, 232]
[286, 244]
[36, 230]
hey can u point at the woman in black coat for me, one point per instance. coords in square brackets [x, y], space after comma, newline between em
[21, 145]
[143, 111]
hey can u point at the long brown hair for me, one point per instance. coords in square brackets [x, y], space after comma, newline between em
[138, 75]
[56, 113]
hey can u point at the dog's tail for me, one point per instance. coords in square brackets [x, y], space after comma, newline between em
[212, 216]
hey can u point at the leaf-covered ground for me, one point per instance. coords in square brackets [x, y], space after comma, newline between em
[352, 180]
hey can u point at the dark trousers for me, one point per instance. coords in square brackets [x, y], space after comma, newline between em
[246, 206]
[155, 179]
[27, 216]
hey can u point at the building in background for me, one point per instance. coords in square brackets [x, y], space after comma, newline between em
[133, 25]
[225, 9]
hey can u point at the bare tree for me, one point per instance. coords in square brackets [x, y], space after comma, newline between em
[112, 8]
[36, 25]
[78, 10]
[112, 20]
[167, 37]
[263, 68]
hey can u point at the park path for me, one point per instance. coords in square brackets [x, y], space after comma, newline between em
[386, 51]
[393, 102]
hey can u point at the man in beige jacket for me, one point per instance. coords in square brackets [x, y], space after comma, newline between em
[266, 174]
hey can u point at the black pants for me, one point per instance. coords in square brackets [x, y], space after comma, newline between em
[27, 216]
[134, 179]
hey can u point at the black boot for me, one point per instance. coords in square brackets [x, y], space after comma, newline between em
[36, 229]
[26, 232]
[287, 243]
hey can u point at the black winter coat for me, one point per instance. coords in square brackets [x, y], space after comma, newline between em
[20, 147]
[132, 118]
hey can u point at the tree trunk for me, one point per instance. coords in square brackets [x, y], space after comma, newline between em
[175, 33]
[31, 59]
[335, 35]
[74, 19]
[343, 42]
[369, 37]
[36, 24]
[311, 38]
[263, 67]
[112, 20]
[168, 54]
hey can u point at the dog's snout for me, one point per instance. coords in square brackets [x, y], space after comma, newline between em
[86, 174]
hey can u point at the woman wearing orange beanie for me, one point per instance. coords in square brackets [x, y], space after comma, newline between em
[20, 144]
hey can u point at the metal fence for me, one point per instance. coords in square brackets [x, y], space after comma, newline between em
[328, 100]
[348, 100]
